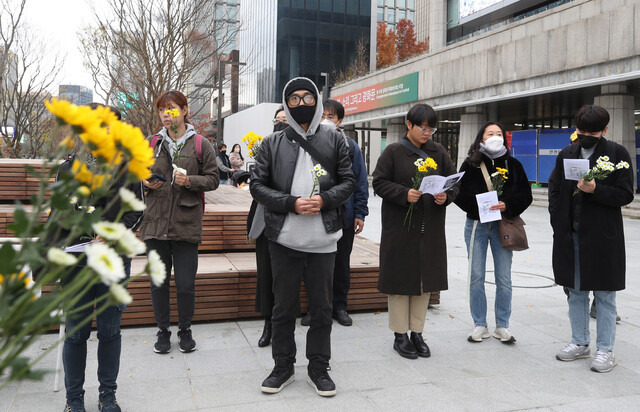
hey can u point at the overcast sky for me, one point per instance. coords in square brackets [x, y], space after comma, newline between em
[58, 23]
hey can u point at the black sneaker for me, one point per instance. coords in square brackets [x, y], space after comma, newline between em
[320, 380]
[280, 377]
[306, 320]
[163, 345]
[75, 405]
[187, 344]
[107, 402]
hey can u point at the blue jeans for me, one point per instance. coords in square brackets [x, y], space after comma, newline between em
[74, 351]
[477, 235]
[224, 181]
[579, 311]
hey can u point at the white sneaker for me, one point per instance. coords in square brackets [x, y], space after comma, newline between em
[603, 361]
[478, 333]
[504, 335]
[572, 352]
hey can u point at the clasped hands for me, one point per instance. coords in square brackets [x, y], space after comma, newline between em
[309, 205]
[414, 195]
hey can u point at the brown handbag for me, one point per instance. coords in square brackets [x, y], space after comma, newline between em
[512, 233]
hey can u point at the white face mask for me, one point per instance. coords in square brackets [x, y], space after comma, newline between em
[494, 144]
[329, 123]
[237, 150]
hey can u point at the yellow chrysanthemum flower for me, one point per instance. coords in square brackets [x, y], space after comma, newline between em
[431, 164]
[136, 148]
[250, 153]
[105, 115]
[83, 191]
[173, 112]
[81, 118]
[81, 172]
[101, 144]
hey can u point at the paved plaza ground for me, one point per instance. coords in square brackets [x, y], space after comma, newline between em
[226, 371]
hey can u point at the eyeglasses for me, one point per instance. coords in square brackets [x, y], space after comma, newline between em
[427, 130]
[276, 121]
[308, 99]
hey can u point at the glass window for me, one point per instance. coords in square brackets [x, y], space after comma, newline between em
[391, 15]
[380, 14]
[410, 4]
[390, 3]
[410, 16]
[402, 14]
[325, 5]
[401, 4]
[380, 2]
[338, 6]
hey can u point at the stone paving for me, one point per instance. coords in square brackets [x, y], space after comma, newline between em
[226, 371]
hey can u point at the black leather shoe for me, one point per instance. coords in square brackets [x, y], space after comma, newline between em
[420, 345]
[265, 339]
[306, 320]
[404, 347]
[342, 317]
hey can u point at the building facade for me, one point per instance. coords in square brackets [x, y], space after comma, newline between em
[529, 65]
[76, 94]
[283, 39]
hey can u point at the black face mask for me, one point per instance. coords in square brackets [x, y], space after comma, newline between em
[303, 113]
[587, 142]
[280, 126]
[223, 151]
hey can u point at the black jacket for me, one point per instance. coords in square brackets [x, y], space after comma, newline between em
[516, 191]
[601, 230]
[273, 174]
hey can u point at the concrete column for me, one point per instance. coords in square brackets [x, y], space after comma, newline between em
[622, 123]
[396, 129]
[437, 24]
[470, 122]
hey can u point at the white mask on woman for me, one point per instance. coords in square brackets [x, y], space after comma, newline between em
[237, 150]
[494, 144]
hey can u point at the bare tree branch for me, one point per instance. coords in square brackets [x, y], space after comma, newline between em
[150, 46]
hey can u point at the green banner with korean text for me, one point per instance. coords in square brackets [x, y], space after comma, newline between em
[396, 91]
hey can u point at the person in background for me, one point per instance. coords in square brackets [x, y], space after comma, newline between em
[74, 350]
[235, 157]
[303, 224]
[224, 166]
[588, 237]
[172, 225]
[413, 250]
[255, 228]
[356, 209]
[489, 148]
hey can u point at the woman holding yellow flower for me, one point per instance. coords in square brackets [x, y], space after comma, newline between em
[509, 179]
[413, 262]
[172, 225]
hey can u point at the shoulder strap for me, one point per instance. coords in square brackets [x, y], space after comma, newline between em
[414, 149]
[485, 173]
[154, 141]
[326, 164]
[199, 147]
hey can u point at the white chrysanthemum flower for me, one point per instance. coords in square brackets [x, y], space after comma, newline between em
[60, 257]
[119, 294]
[156, 268]
[622, 165]
[73, 200]
[323, 172]
[105, 262]
[91, 209]
[130, 245]
[494, 174]
[109, 230]
[131, 201]
[605, 158]
[317, 167]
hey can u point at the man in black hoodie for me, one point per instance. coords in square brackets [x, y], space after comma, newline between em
[303, 223]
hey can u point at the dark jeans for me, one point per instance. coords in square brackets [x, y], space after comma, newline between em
[74, 351]
[342, 271]
[183, 256]
[289, 267]
[264, 280]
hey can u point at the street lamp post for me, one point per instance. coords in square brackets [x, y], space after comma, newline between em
[221, 64]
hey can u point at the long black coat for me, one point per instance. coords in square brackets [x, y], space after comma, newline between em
[601, 232]
[419, 255]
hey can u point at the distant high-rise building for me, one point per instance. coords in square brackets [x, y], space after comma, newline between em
[392, 11]
[283, 39]
[79, 95]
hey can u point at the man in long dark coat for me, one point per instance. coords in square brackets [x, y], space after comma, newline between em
[588, 237]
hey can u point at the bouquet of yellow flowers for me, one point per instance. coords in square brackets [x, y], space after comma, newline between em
[253, 142]
[423, 169]
[498, 178]
[108, 151]
[602, 170]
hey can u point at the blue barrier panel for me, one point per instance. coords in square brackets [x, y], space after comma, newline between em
[550, 143]
[638, 155]
[524, 147]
